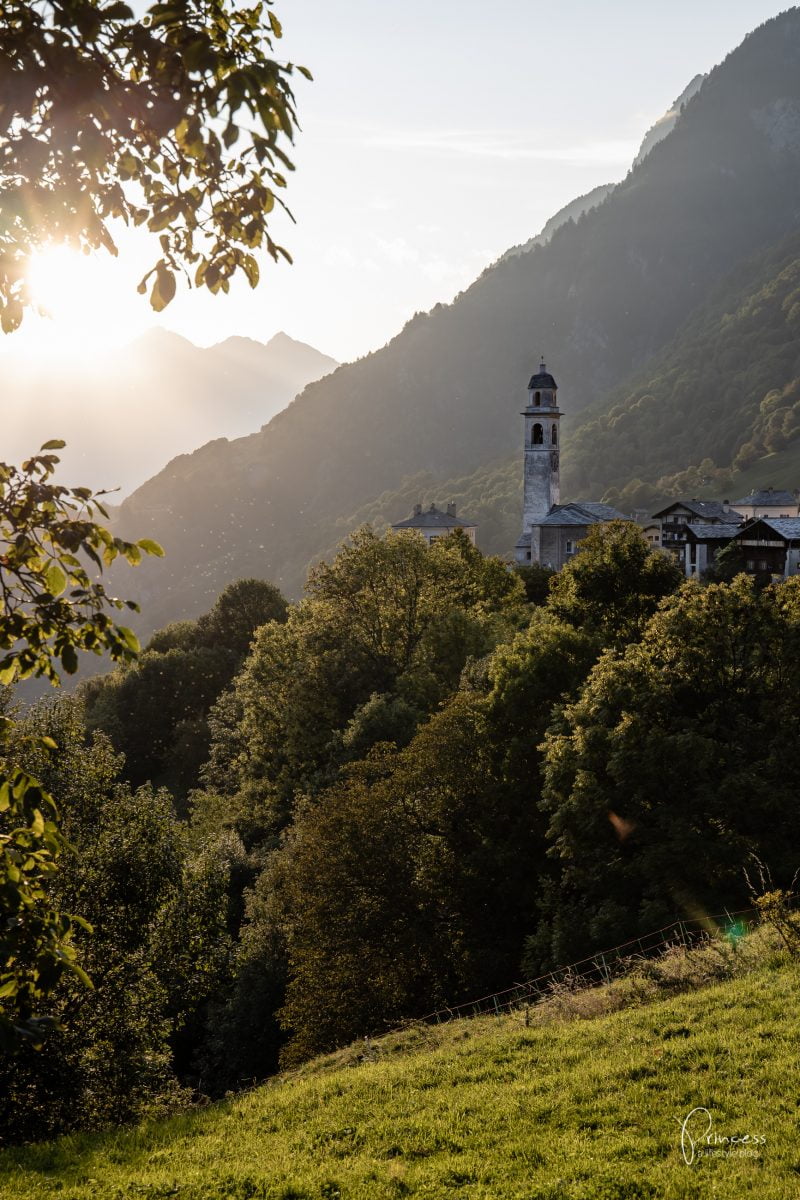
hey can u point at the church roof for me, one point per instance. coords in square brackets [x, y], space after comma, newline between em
[583, 512]
[768, 496]
[436, 518]
[543, 379]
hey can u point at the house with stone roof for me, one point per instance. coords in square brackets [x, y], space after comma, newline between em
[438, 522]
[703, 542]
[678, 517]
[770, 545]
[768, 503]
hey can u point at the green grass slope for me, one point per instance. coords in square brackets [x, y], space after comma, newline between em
[487, 1109]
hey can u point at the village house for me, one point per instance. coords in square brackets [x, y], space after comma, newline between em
[676, 519]
[438, 522]
[768, 503]
[770, 545]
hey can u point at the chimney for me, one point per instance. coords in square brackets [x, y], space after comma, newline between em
[726, 506]
[451, 509]
[432, 508]
[417, 510]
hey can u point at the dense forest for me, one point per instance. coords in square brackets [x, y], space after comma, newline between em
[600, 298]
[294, 825]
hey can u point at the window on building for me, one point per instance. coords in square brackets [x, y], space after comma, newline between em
[537, 399]
[750, 564]
[554, 434]
[569, 547]
[537, 436]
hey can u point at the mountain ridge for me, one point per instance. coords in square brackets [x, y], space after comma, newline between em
[171, 395]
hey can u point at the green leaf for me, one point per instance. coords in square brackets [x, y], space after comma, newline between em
[150, 547]
[53, 444]
[130, 638]
[8, 673]
[55, 579]
[163, 289]
[69, 659]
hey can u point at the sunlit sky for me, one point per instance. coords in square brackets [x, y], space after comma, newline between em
[437, 133]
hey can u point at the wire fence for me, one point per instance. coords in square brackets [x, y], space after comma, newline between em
[603, 967]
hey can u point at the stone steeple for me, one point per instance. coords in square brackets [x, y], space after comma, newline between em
[541, 447]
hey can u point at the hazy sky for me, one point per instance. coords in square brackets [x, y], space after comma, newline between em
[437, 134]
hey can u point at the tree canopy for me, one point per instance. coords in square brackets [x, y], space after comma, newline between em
[50, 609]
[175, 121]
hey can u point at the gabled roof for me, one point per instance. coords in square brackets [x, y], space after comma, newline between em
[787, 528]
[768, 497]
[712, 510]
[583, 512]
[711, 533]
[435, 518]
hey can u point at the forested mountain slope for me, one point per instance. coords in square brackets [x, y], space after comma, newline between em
[601, 298]
[727, 388]
[716, 411]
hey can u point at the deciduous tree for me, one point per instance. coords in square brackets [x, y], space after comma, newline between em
[175, 120]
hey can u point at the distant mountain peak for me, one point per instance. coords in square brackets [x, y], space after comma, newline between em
[284, 339]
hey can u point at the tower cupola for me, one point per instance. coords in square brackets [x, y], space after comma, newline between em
[542, 389]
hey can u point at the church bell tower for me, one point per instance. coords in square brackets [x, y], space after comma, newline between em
[541, 480]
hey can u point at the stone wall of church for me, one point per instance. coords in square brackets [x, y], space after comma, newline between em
[559, 543]
[541, 485]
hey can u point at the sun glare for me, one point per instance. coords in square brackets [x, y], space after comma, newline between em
[85, 311]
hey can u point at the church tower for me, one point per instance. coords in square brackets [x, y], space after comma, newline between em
[541, 482]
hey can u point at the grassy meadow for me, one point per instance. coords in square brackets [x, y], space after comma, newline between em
[585, 1102]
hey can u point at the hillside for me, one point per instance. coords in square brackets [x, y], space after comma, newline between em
[170, 397]
[570, 212]
[569, 1110]
[602, 297]
[666, 123]
[727, 388]
[716, 411]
